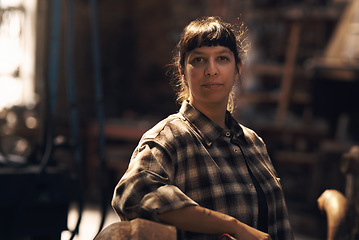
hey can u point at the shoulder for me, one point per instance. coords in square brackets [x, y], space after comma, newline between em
[251, 135]
[168, 130]
[248, 132]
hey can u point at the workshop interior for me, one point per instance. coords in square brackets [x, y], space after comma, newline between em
[82, 80]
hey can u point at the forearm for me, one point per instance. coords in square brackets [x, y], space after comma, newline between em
[201, 220]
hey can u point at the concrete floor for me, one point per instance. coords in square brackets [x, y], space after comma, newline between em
[91, 220]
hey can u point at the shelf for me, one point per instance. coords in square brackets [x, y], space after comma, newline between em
[267, 69]
[262, 97]
[273, 70]
[287, 36]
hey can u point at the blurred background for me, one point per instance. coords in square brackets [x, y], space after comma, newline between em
[82, 80]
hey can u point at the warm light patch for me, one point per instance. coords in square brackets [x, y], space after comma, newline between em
[17, 48]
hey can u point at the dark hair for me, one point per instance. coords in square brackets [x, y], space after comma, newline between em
[206, 31]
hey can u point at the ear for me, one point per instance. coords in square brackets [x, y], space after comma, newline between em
[181, 71]
[239, 71]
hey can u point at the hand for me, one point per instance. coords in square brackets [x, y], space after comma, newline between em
[248, 233]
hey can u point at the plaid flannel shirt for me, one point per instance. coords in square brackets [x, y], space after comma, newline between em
[187, 160]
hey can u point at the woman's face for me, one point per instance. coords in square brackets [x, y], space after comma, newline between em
[210, 73]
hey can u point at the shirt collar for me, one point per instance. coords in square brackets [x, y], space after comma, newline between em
[234, 126]
[209, 130]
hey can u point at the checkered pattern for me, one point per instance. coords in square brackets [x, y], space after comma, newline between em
[187, 160]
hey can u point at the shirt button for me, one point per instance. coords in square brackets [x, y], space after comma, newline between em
[228, 134]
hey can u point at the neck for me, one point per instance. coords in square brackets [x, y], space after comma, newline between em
[217, 113]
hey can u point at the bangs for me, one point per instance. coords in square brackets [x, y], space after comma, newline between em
[211, 38]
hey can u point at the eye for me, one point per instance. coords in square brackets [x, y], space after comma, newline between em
[223, 58]
[197, 59]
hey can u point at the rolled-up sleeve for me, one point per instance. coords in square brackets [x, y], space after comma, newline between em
[147, 188]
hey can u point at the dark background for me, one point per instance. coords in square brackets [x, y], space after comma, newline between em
[306, 138]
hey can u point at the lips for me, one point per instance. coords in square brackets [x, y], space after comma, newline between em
[212, 85]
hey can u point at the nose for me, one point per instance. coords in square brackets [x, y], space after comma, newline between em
[211, 68]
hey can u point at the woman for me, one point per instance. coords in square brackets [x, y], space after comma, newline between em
[200, 170]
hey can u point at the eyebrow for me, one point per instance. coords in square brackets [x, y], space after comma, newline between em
[198, 51]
